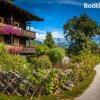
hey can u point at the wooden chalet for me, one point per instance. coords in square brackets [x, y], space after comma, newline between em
[13, 23]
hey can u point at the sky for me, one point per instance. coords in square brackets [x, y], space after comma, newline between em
[56, 13]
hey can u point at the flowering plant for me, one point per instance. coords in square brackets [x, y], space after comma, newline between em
[8, 29]
[14, 49]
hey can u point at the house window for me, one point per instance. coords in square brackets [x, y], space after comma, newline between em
[1, 19]
[16, 41]
[27, 43]
[16, 24]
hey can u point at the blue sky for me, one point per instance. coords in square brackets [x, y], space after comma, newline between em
[56, 13]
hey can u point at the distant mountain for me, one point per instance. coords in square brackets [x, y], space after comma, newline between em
[38, 42]
[39, 39]
[61, 42]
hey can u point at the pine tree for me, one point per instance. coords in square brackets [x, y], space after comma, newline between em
[49, 40]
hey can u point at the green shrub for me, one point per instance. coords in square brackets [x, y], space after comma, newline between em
[56, 54]
[14, 63]
[10, 62]
[41, 62]
[82, 66]
[41, 50]
[2, 48]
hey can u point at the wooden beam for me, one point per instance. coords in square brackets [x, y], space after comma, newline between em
[11, 20]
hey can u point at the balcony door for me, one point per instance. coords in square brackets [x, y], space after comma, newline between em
[16, 41]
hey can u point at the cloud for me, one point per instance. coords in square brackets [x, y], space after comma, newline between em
[57, 34]
[36, 30]
[68, 2]
[40, 34]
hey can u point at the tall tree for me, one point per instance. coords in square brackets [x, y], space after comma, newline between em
[80, 30]
[49, 40]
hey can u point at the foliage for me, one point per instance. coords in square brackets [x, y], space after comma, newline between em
[51, 79]
[48, 78]
[49, 40]
[52, 82]
[45, 79]
[6, 97]
[56, 54]
[2, 48]
[41, 62]
[76, 91]
[11, 30]
[14, 63]
[80, 29]
[94, 47]
[41, 50]
[40, 72]
[82, 66]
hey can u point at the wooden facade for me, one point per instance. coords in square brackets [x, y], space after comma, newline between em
[13, 22]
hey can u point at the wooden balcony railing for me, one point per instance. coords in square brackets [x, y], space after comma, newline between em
[9, 29]
[20, 49]
[27, 50]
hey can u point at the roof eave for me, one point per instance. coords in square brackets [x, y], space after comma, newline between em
[29, 16]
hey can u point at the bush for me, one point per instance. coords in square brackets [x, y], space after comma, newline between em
[41, 50]
[41, 62]
[82, 66]
[10, 62]
[56, 54]
[2, 48]
[15, 63]
[54, 82]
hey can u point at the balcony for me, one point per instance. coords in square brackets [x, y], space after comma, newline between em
[20, 49]
[11, 30]
[27, 50]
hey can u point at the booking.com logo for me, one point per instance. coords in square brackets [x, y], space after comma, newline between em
[91, 5]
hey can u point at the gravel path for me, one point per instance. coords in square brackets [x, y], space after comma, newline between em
[93, 92]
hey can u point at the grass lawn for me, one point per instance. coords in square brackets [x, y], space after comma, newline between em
[6, 97]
